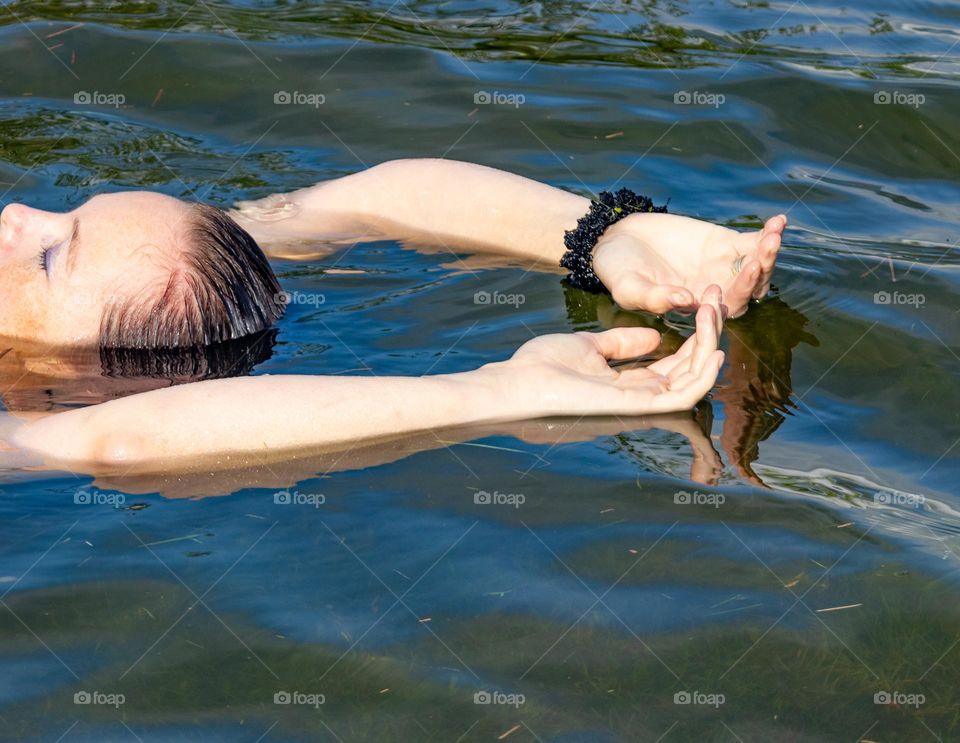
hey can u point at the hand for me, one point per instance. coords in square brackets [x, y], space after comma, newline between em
[571, 374]
[662, 262]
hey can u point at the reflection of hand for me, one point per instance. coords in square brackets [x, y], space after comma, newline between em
[571, 374]
[662, 262]
[756, 394]
[705, 466]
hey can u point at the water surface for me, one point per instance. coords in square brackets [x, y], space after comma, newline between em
[826, 576]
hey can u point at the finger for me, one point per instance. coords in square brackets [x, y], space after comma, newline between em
[775, 225]
[689, 391]
[713, 296]
[667, 364]
[625, 343]
[739, 293]
[707, 338]
[704, 340]
[767, 253]
[634, 292]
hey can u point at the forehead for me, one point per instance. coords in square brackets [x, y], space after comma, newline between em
[127, 242]
[135, 209]
[131, 225]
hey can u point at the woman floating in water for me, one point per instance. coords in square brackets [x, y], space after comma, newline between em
[141, 270]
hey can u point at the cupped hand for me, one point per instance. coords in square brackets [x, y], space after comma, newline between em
[663, 262]
[570, 374]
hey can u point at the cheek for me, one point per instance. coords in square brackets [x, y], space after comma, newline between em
[22, 307]
[72, 315]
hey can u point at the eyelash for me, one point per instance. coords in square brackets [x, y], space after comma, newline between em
[42, 258]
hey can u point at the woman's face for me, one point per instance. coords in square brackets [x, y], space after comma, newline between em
[58, 271]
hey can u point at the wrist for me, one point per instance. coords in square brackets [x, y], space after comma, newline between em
[595, 227]
[494, 393]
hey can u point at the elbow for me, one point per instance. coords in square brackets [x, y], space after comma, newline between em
[110, 451]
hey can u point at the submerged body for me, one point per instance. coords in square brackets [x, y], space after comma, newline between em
[654, 262]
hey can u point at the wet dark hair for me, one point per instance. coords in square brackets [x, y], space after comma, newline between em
[221, 289]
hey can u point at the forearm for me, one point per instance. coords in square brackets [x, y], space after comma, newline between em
[443, 203]
[238, 421]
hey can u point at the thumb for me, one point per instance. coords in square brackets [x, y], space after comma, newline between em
[636, 292]
[625, 343]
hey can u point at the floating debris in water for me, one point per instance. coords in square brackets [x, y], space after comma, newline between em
[64, 30]
[838, 608]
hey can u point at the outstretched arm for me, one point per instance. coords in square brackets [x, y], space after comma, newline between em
[657, 262]
[227, 423]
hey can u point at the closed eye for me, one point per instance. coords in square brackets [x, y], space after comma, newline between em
[43, 258]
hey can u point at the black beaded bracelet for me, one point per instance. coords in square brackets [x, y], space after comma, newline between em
[608, 209]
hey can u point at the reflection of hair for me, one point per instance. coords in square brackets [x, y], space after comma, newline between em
[88, 376]
[233, 358]
[221, 289]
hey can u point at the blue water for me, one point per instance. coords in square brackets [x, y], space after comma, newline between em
[599, 597]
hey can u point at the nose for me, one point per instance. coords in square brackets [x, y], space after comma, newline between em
[11, 225]
[17, 222]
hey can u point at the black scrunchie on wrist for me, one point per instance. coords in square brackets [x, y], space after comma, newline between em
[608, 209]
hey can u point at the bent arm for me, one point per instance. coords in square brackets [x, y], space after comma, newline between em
[428, 202]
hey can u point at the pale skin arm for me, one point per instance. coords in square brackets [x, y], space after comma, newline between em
[654, 262]
[227, 423]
